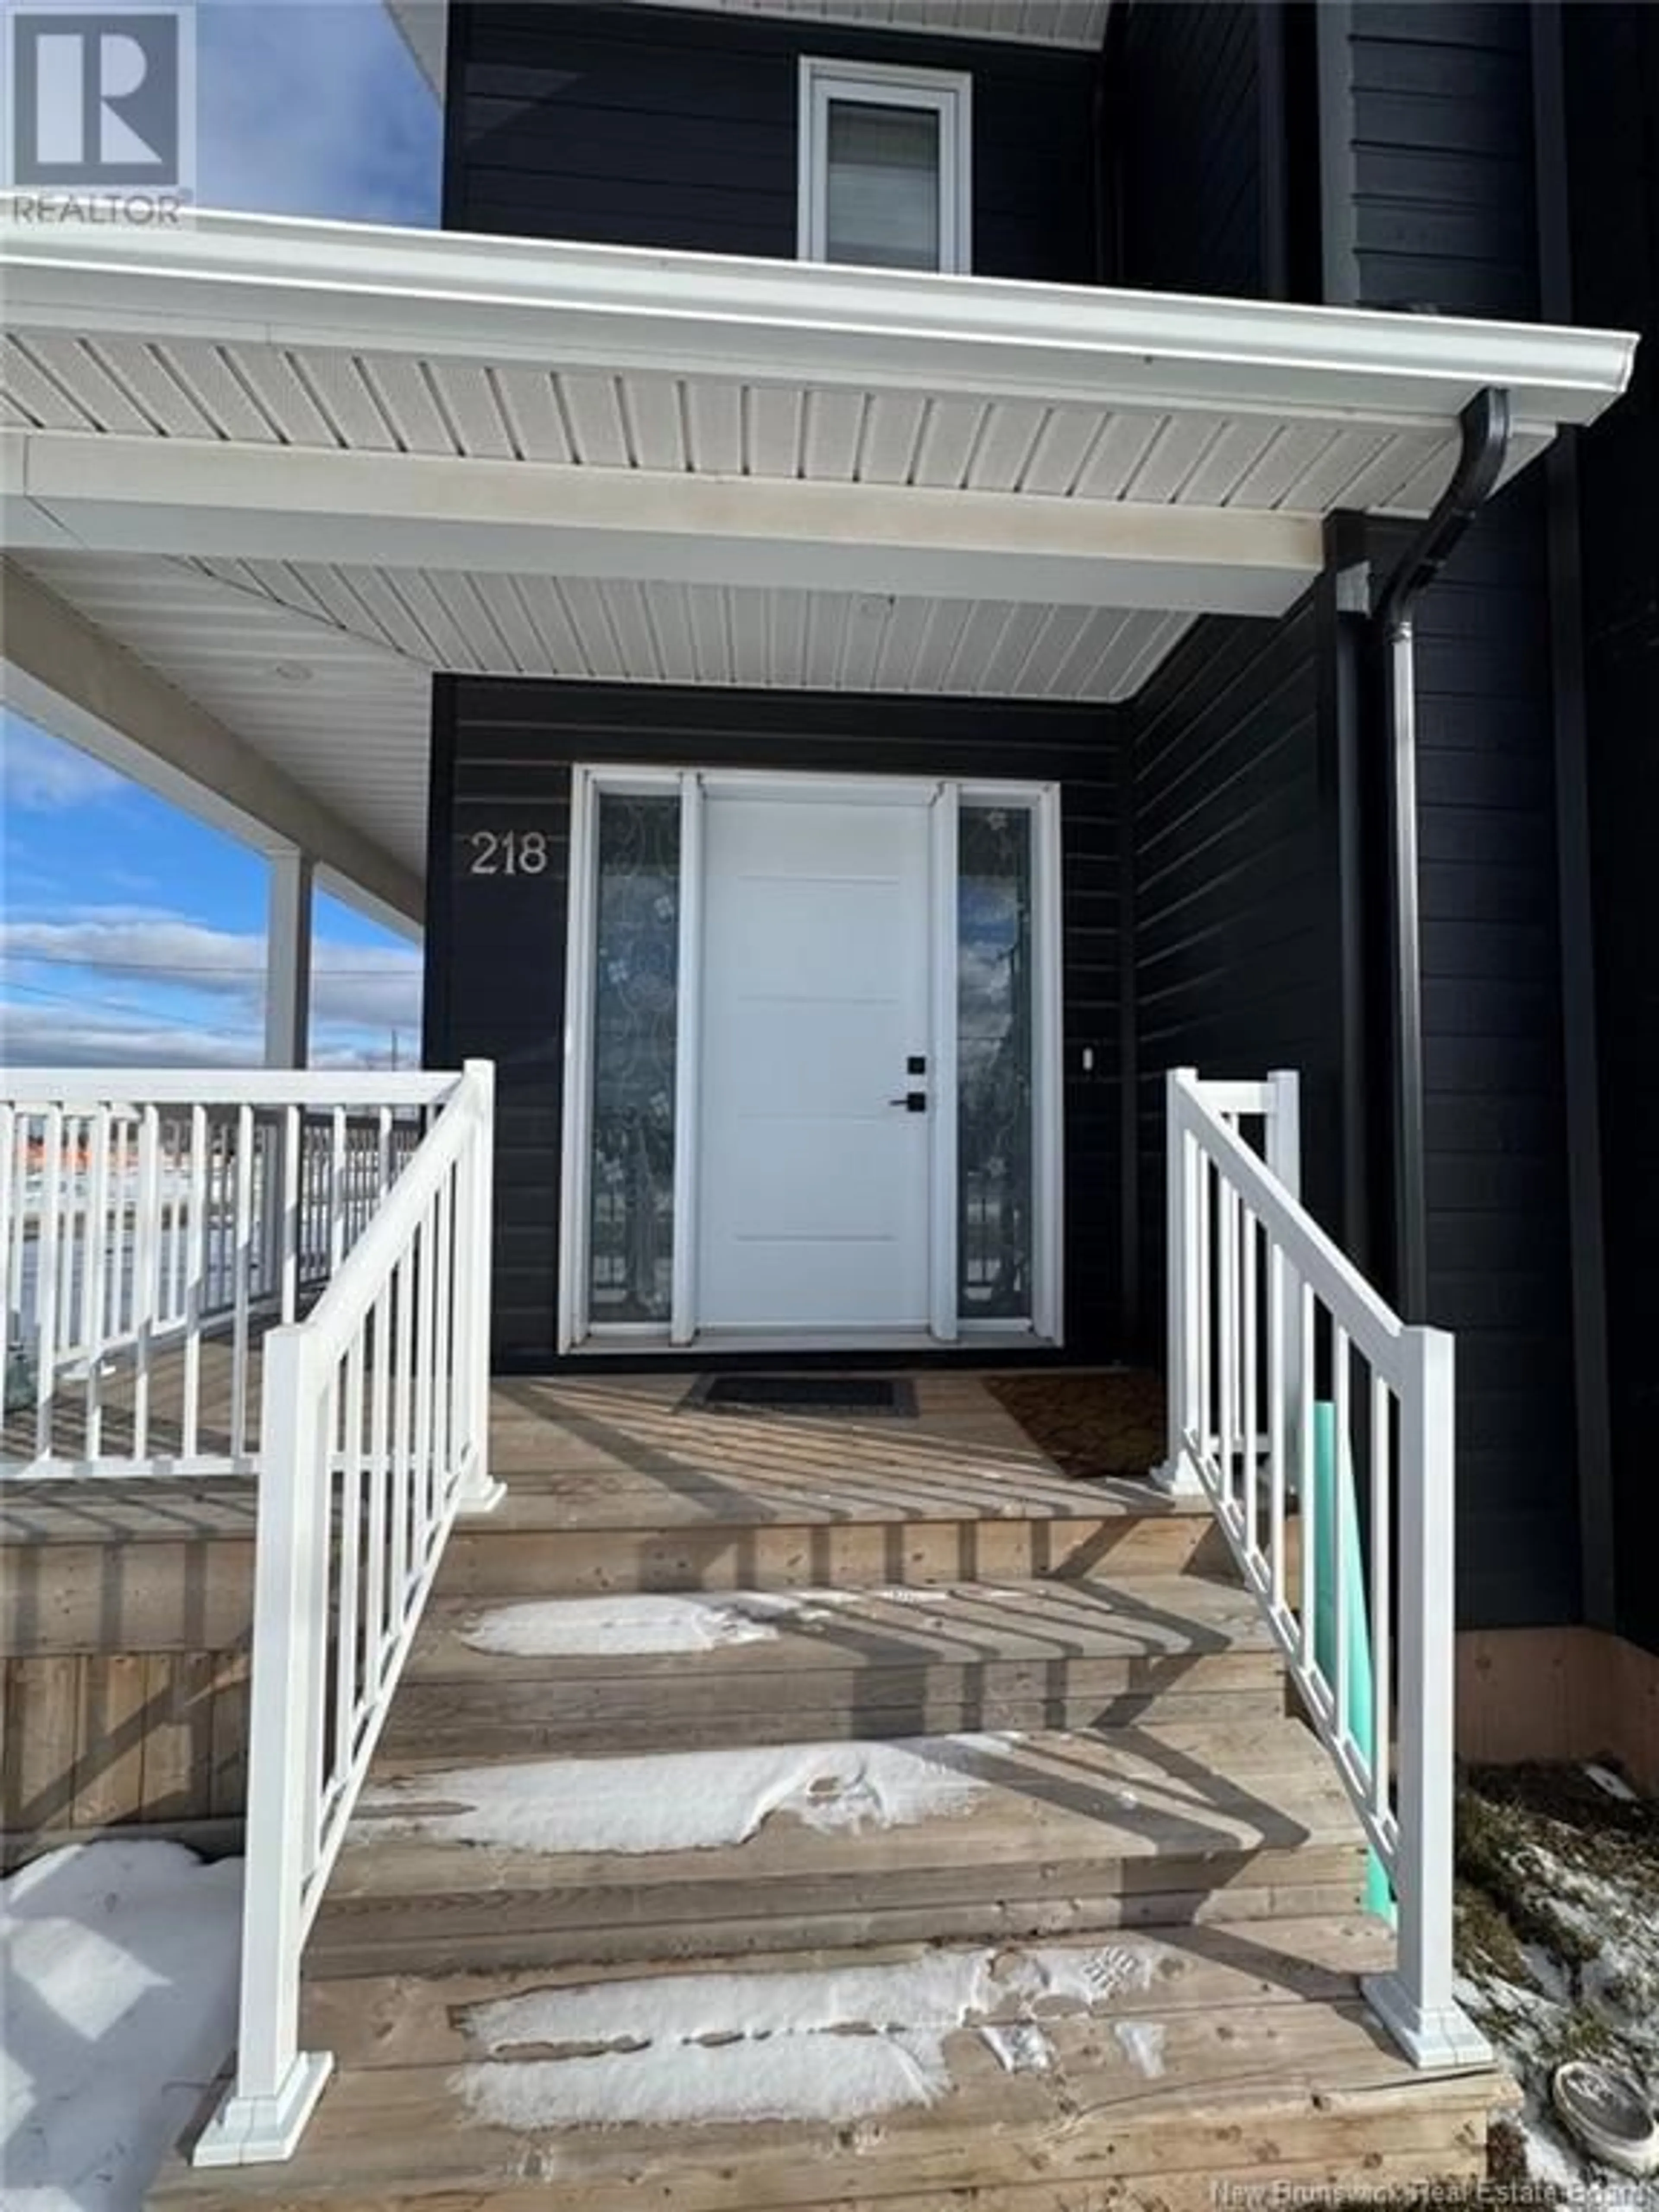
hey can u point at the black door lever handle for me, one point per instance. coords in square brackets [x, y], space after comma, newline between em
[914, 1101]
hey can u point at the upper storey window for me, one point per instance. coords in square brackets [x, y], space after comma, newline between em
[886, 166]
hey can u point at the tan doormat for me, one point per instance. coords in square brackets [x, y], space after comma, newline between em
[1098, 1422]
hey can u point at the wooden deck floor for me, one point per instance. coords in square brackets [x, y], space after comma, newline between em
[628, 1449]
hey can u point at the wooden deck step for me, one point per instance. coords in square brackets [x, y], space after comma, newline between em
[1026, 2079]
[698, 1854]
[778, 1668]
[615, 1483]
[576, 1533]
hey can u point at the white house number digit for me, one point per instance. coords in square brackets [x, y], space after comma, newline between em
[508, 853]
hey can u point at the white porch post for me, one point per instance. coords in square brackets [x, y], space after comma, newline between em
[1283, 1147]
[1178, 1476]
[480, 1491]
[287, 959]
[1284, 1154]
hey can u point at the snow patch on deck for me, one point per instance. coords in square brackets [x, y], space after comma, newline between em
[834, 2044]
[119, 2008]
[687, 1801]
[626, 1626]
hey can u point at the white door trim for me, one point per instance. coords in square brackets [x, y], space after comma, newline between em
[1048, 1071]
[688, 1051]
[942, 1065]
[944, 797]
[575, 1151]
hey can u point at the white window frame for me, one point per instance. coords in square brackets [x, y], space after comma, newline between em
[947, 93]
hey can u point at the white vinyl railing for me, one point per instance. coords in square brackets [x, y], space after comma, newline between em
[152, 1225]
[376, 1434]
[1291, 1382]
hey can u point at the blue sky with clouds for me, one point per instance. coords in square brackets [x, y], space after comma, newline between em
[129, 932]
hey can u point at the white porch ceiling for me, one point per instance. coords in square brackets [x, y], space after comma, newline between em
[1033, 23]
[619, 630]
[260, 445]
[351, 730]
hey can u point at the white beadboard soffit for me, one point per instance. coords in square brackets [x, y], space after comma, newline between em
[374, 453]
[1076, 24]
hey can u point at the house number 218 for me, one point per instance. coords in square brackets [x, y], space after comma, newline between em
[508, 853]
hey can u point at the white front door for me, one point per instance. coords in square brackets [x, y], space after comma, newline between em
[813, 1173]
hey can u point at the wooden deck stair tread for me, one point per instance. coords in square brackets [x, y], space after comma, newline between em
[1061, 1829]
[1232, 2052]
[597, 1454]
[663, 1493]
[1088, 1797]
[868, 1662]
[1145, 1617]
[396, 2021]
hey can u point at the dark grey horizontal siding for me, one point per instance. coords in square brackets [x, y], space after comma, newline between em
[1237, 935]
[1445, 214]
[1186, 121]
[1445, 205]
[668, 127]
[502, 757]
[1612, 120]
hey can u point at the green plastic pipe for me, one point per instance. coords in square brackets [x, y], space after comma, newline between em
[1334, 1465]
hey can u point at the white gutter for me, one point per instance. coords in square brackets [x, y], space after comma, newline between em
[287, 281]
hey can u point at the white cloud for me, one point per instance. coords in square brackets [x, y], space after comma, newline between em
[40, 1036]
[66, 1036]
[152, 963]
[39, 775]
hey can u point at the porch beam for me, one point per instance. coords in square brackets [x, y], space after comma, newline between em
[181, 497]
[64, 673]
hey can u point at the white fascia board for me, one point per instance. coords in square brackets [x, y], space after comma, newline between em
[62, 673]
[284, 281]
[181, 497]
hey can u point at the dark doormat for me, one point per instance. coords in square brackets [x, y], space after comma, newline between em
[1106, 1421]
[852, 1397]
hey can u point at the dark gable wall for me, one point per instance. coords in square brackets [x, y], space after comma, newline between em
[502, 755]
[1238, 935]
[1440, 136]
[1185, 87]
[1235, 881]
[668, 127]
[1429, 197]
[1444, 196]
[1612, 122]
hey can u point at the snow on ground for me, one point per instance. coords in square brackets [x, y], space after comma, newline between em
[1559, 1945]
[120, 1972]
[834, 2044]
[689, 1801]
